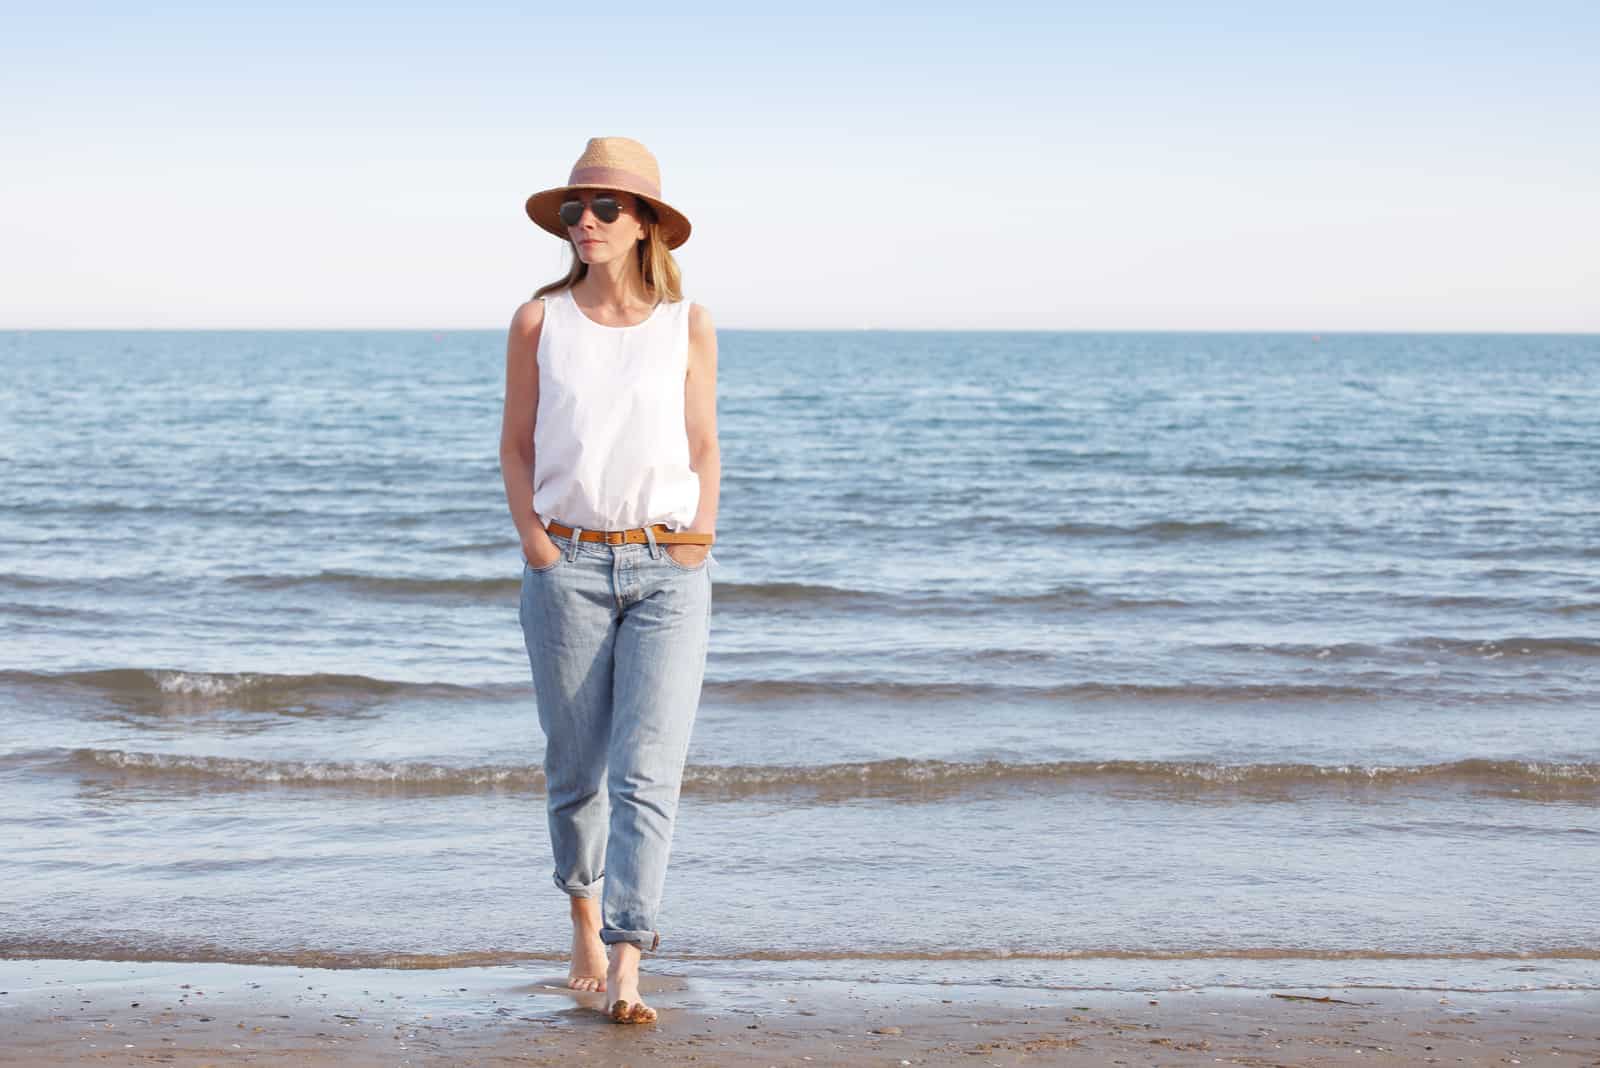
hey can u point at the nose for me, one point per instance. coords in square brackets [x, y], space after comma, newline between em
[586, 216]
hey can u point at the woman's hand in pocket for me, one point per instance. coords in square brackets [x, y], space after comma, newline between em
[540, 550]
[690, 556]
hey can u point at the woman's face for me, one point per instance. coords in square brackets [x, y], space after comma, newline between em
[602, 242]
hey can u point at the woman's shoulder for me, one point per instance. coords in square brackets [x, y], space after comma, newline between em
[699, 317]
[529, 316]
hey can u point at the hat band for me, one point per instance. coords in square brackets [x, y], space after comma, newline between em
[615, 176]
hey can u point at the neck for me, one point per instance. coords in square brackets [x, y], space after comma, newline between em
[617, 284]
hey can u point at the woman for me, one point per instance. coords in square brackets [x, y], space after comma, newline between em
[609, 451]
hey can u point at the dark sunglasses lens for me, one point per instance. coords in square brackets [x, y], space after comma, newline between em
[606, 209]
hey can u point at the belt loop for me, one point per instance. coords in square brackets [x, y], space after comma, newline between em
[650, 536]
[572, 546]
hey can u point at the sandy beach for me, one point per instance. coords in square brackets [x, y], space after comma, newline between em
[99, 1012]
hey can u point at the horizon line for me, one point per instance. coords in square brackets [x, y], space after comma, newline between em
[809, 330]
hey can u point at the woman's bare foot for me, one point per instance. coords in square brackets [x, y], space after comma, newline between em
[588, 971]
[622, 980]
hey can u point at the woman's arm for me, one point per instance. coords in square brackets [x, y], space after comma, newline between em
[516, 432]
[700, 419]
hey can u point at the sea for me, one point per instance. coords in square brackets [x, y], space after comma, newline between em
[1072, 660]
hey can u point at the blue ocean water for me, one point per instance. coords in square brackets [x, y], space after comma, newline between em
[1253, 652]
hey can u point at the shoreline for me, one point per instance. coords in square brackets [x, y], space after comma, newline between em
[61, 1012]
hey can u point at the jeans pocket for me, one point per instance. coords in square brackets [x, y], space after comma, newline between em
[561, 543]
[701, 566]
[551, 566]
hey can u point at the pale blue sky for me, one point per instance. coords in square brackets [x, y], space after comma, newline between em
[1352, 166]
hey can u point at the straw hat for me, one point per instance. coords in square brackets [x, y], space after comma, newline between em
[612, 163]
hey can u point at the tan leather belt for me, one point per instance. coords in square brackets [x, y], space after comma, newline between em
[636, 535]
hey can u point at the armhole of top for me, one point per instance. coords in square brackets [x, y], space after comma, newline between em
[544, 322]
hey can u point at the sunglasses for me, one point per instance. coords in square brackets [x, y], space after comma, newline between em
[606, 209]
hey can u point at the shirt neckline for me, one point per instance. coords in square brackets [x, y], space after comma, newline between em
[605, 326]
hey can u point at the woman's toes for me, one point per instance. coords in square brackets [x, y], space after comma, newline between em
[632, 1012]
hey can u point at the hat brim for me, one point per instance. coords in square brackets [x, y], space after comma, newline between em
[544, 208]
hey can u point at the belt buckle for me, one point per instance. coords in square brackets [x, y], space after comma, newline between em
[616, 537]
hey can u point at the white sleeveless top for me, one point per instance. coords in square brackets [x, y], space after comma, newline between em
[610, 449]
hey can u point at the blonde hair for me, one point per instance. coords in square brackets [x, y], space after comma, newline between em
[663, 281]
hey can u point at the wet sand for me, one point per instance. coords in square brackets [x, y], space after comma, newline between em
[98, 1012]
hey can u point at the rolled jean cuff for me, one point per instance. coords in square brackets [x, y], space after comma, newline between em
[647, 941]
[577, 889]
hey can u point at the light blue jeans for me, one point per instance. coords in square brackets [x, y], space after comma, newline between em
[616, 638]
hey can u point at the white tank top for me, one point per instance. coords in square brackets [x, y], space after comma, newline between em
[610, 449]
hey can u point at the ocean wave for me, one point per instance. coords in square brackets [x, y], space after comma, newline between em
[190, 690]
[855, 689]
[1263, 469]
[1408, 649]
[422, 776]
[916, 773]
[1493, 648]
[495, 589]
[1165, 530]
[178, 950]
[1294, 470]
[793, 595]
[788, 593]
[13, 580]
[29, 613]
[1080, 598]
[898, 775]
[98, 507]
[199, 688]
[158, 690]
[505, 589]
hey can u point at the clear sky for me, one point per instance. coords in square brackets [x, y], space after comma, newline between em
[1168, 166]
